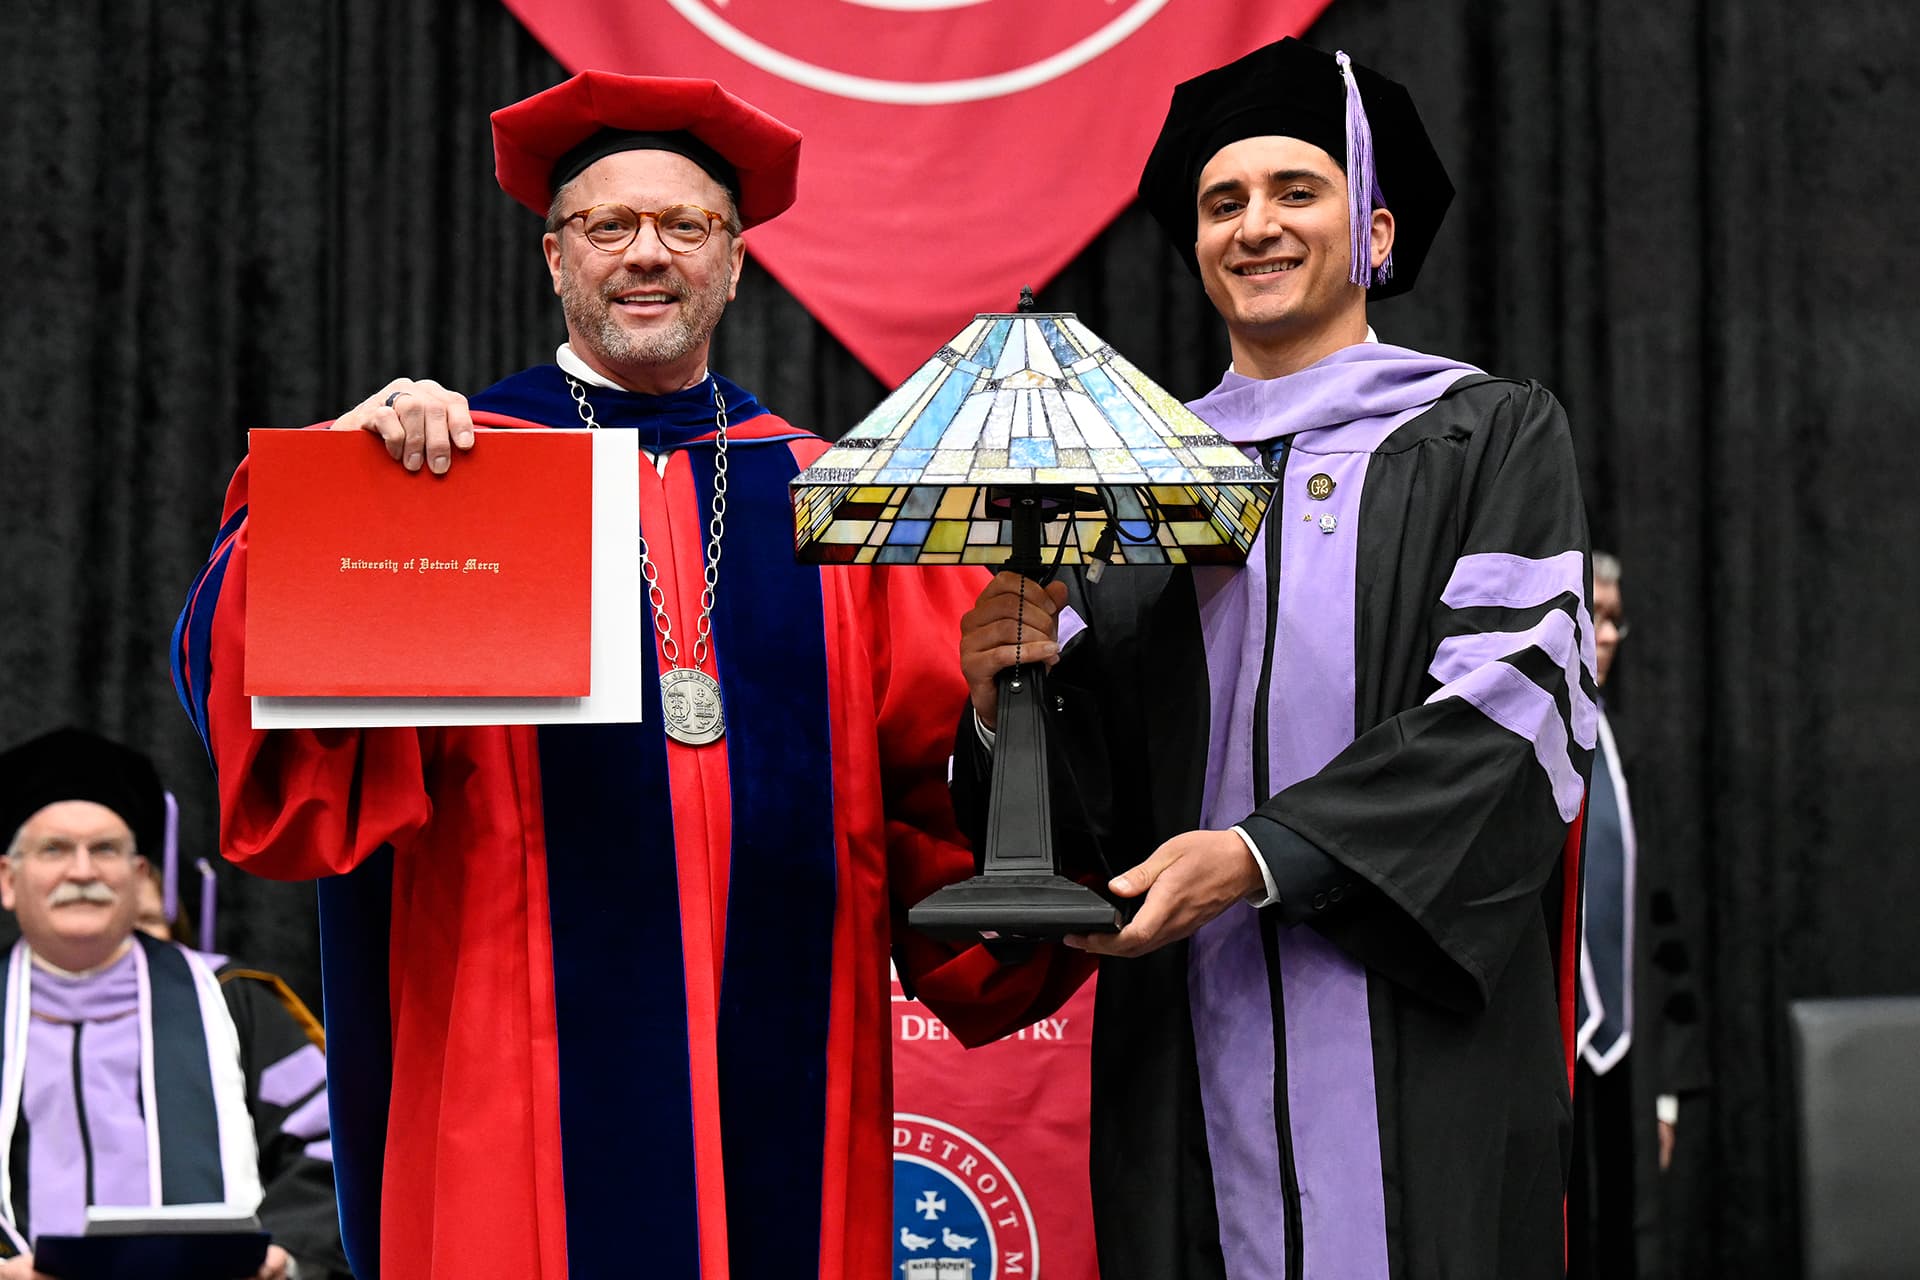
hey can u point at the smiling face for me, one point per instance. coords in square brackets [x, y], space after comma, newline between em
[1273, 252]
[644, 317]
[72, 881]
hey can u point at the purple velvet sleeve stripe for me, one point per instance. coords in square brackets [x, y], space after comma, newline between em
[309, 1122]
[1505, 696]
[1469, 667]
[1554, 635]
[293, 1077]
[1508, 581]
[319, 1151]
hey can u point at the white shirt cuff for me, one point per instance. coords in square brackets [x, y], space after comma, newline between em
[1272, 891]
[981, 731]
[1666, 1108]
[1266, 876]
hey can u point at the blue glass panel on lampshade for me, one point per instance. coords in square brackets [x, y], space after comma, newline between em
[1019, 402]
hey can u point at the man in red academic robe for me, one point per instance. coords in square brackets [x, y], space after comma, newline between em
[613, 1000]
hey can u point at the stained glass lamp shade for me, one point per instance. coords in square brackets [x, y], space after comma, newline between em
[1027, 443]
[1029, 401]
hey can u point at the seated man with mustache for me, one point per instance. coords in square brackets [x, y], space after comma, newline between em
[122, 1053]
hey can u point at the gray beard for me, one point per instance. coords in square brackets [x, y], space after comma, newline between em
[590, 317]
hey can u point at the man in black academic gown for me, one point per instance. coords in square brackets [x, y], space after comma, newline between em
[1341, 779]
[129, 1075]
[1640, 1040]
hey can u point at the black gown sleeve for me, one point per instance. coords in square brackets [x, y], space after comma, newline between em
[1449, 819]
[292, 1133]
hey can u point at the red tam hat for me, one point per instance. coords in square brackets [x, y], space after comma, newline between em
[540, 143]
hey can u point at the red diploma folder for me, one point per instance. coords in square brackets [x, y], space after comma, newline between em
[368, 580]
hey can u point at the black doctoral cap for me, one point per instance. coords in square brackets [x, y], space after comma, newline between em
[1365, 121]
[73, 764]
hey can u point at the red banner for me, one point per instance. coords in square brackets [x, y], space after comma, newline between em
[990, 1149]
[955, 149]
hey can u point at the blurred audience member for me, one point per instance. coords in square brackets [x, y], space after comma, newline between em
[154, 920]
[131, 1057]
[1641, 1041]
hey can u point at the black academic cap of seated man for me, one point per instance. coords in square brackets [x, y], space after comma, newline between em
[1293, 90]
[73, 764]
[541, 142]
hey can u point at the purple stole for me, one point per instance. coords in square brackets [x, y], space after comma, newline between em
[133, 1076]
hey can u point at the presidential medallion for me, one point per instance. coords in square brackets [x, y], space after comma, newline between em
[689, 697]
[690, 706]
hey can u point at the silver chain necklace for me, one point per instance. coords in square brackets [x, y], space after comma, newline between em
[689, 697]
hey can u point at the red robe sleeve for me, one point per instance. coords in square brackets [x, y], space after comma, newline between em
[294, 804]
[920, 695]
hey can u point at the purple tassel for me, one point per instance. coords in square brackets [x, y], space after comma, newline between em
[206, 904]
[1363, 185]
[170, 862]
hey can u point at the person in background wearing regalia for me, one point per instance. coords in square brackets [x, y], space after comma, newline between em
[1641, 1041]
[613, 1000]
[1339, 782]
[165, 916]
[113, 1040]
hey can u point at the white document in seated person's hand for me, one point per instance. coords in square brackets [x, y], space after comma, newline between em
[168, 1219]
[163, 1242]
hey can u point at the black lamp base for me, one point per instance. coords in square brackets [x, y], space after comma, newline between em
[1020, 895]
[1021, 905]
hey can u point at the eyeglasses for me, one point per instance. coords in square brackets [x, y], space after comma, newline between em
[1618, 621]
[682, 228]
[50, 853]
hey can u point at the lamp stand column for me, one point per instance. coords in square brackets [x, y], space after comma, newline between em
[1020, 891]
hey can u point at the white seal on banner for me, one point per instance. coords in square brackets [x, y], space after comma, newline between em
[907, 92]
[958, 1214]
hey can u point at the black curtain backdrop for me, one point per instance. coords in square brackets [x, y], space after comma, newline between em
[1691, 219]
